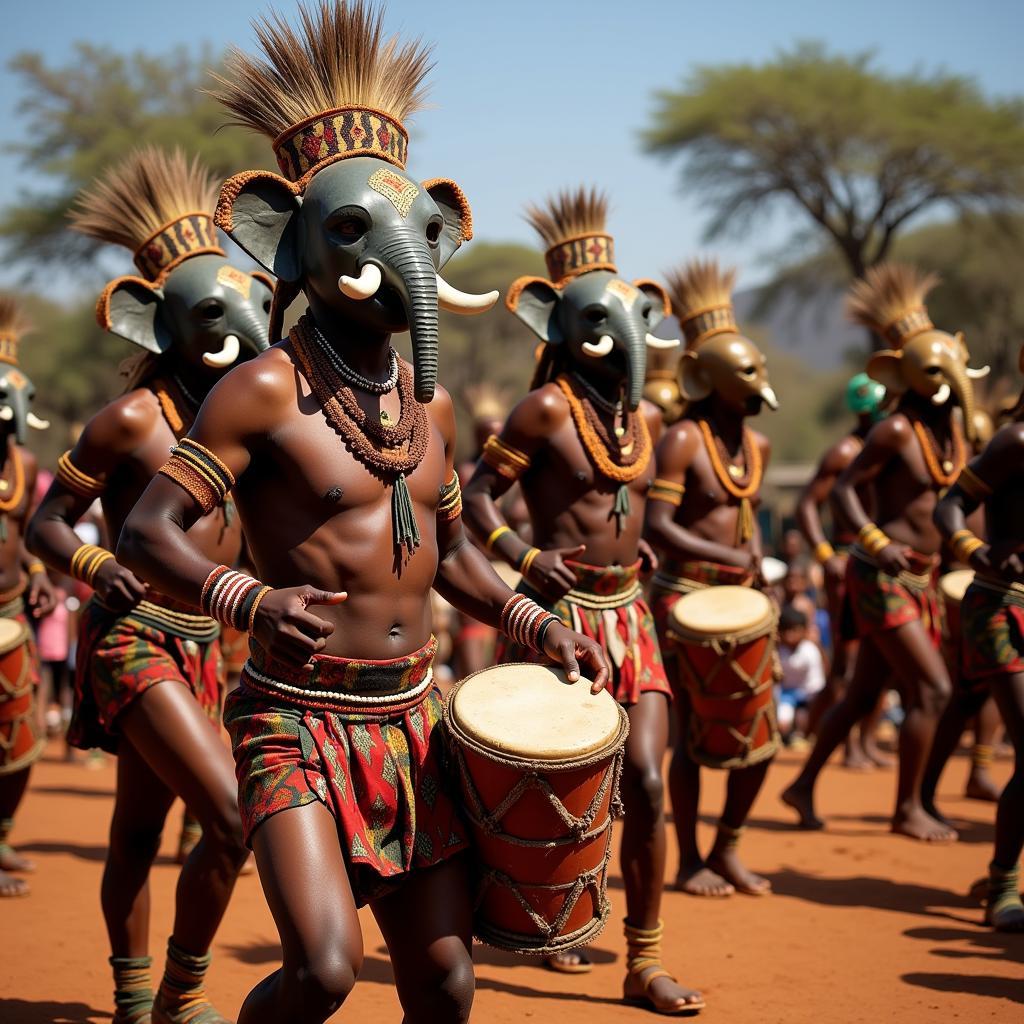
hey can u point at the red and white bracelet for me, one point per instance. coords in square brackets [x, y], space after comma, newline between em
[526, 623]
[232, 597]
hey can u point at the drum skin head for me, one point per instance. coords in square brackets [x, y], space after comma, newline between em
[954, 584]
[717, 611]
[506, 574]
[532, 711]
[12, 634]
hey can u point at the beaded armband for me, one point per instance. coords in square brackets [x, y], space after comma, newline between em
[450, 506]
[963, 544]
[972, 485]
[872, 539]
[504, 459]
[199, 472]
[86, 560]
[525, 623]
[75, 480]
[232, 598]
[823, 552]
[666, 490]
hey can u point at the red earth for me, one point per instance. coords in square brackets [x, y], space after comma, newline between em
[863, 925]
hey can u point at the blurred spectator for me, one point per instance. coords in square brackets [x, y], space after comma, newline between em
[803, 674]
[796, 593]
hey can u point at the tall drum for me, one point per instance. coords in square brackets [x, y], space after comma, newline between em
[20, 743]
[539, 761]
[725, 642]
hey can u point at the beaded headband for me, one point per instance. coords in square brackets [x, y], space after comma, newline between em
[190, 235]
[9, 349]
[906, 326]
[703, 324]
[578, 255]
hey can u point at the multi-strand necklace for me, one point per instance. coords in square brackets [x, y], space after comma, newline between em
[387, 449]
[621, 460]
[942, 470]
[11, 492]
[742, 483]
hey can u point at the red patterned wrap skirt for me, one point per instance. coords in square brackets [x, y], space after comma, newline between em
[882, 602]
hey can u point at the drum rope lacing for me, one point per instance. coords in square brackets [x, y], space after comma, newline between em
[1011, 592]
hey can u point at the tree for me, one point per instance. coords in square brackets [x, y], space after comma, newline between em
[81, 117]
[857, 151]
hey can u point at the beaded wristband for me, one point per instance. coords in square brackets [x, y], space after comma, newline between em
[495, 534]
[963, 544]
[86, 560]
[525, 623]
[231, 597]
[35, 567]
[526, 560]
[823, 552]
[872, 539]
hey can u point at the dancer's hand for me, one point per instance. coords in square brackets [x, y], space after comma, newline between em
[648, 559]
[1003, 558]
[118, 588]
[892, 559]
[549, 574]
[286, 630]
[41, 596]
[578, 655]
[834, 568]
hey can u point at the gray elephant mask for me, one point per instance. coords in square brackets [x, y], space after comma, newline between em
[16, 395]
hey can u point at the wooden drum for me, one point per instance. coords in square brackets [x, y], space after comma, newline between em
[539, 761]
[725, 640]
[20, 743]
[952, 588]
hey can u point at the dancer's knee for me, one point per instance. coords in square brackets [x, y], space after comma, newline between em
[314, 989]
[447, 990]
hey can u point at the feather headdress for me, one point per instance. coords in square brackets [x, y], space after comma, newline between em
[571, 225]
[889, 300]
[701, 293]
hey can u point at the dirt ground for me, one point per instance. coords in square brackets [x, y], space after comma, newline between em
[863, 926]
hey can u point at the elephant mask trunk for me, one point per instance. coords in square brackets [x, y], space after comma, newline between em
[409, 269]
[634, 338]
[252, 325]
[964, 391]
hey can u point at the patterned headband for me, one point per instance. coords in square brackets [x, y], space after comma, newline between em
[577, 255]
[9, 349]
[188, 235]
[332, 135]
[702, 324]
[906, 326]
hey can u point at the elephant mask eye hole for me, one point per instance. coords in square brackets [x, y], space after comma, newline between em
[210, 310]
[933, 371]
[748, 371]
[266, 305]
[434, 231]
[594, 315]
[646, 311]
[347, 226]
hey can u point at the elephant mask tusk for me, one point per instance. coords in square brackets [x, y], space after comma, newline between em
[454, 301]
[602, 348]
[981, 371]
[941, 396]
[6, 413]
[654, 342]
[34, 421]
[226, 356]
[769, 396]
[364, 286]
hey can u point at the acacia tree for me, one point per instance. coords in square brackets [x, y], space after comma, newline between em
[857, 151]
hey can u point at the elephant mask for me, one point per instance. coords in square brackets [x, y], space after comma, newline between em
[16, 390]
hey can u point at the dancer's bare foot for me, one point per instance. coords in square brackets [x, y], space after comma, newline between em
[918, 824]
[699, 880]
[728, 864]
[802, 801]
[11, 886]
[572, 961]
[856, 760]
[11, 860]
[878, 757]
[654, 989]
[981, 786]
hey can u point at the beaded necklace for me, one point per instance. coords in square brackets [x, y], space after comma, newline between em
[352, 377]
[942, 475]
[17, 489]
[749, 483]
[606, 404]
[388, 450]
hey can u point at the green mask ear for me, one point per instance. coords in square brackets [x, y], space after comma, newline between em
[458, 218]
[259, 210]
[887, 368]
[535, 301]
[128, 307]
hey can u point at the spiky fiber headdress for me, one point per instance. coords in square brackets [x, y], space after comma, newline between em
[889, 300]
[156, 203]
[332, 87]
[14, 324]
[701, 294]
[571, 225]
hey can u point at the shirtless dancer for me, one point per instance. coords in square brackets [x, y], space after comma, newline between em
[149, 672]
[909, 458]
[22, 582]
[864, 398]
[580, 447]
[992, 620]
[701, 521]
[343, 456]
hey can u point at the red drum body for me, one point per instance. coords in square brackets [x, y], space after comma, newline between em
[539, 761]
[725, 643]
[20, 743]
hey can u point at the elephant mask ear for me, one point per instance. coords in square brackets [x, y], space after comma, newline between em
[128, 307]
[458, 218]
[693, 378]
[265, 279]
[887, 368]
[259, 210]
[661, 306]
[535, 301]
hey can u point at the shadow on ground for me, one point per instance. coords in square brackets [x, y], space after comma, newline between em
[23, 1011]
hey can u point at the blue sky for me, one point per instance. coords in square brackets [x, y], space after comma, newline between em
[532, 96]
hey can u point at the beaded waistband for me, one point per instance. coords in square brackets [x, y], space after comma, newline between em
[185, 625]
[604, 586]
[918, 577]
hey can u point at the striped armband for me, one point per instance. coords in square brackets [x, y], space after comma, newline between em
[963, 544]
[75, 480]
[504, 459]
[450, 506]
[972, 485]
[232, 598]
[872, 539]
[525, 623]
[200, 472]
[667, 490]
[86, 560]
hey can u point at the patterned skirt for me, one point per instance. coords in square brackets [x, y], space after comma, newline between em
[882, 602]
[20, 741]
[363, 739]
[992, 630]
[121, 656]
[607, 605]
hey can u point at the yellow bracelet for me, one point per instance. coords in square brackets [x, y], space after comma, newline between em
[86, 561]
[872, 539]
[527, 560]
[963, 544]
[823, 552]
[36, 566]
[495, 534]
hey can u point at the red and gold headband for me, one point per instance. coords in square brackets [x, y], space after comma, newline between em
[702, 324]
[335, 134]
[188, 235]
[9, 348]
[574, 256]
[907, 325]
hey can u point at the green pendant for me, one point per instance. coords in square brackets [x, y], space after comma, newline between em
[403, 517]
[621, 508]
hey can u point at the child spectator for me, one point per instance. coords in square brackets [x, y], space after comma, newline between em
[803, 675]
